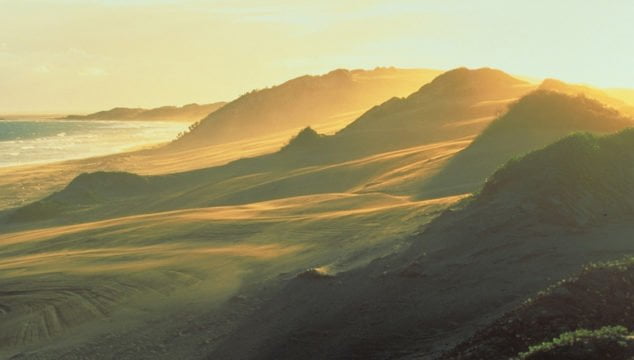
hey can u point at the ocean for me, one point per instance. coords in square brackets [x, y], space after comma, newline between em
[41, 141]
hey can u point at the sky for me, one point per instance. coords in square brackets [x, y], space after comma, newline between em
[70, 56]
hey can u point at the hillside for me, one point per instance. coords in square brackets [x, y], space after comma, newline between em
[585, 185]
[455, 105]
[527, 229]
[576, 182]
[534, 121]
[191, 112]
[304, 101]
[421, 125]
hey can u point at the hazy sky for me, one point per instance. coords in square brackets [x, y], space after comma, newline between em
[84, 55]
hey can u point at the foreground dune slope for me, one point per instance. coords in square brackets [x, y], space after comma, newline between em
[524, 231]
[597, 297]
[65, 285]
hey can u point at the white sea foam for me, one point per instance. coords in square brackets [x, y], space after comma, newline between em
[28, 142]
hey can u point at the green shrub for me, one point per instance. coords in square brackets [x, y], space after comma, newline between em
[608, 342]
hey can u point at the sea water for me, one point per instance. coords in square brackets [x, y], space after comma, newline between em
[40, 141]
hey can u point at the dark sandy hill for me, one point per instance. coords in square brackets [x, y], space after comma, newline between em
[600, 296]
[524, 231]
[535, 121]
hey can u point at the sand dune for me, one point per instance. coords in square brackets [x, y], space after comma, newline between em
[466, 269]
[102, 195]
[23, 184]
[304, 101]
[535, 121]
[422, 118]
[98, 270]
[316, 247]
[586, 301]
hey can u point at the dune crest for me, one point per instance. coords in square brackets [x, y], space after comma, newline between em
[303, 101]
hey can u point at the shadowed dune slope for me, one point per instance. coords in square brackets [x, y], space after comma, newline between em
[536, 120]
[471, 265]
[85, 190]
[581, 180]
[577, 181]
[304, 101]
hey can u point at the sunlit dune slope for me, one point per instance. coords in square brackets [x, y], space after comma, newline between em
[472, 92]
[307, 100]
[602, 96]
[536, 120]
[576, 182]
[626, 95]
[455, 107]
[100, 195]
[456, 104]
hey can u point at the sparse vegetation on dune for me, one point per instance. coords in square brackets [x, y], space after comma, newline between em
[610, 342]
[592, 311]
